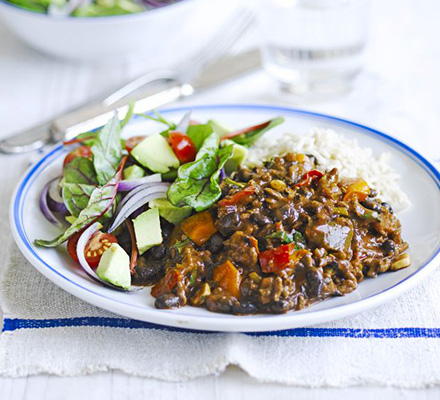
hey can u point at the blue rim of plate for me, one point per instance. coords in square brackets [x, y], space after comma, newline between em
[25, 184]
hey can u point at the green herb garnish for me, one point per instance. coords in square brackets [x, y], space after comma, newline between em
[287, 238]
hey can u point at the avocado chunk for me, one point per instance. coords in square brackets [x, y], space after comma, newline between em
[239, 154]
[169, 212]
[114, 267]
[219, 128]
[147, 230]
[156, 154]
[133, 172]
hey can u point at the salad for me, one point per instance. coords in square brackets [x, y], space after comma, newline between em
[90, 8]
[118, 199]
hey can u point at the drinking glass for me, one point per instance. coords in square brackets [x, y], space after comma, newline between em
[313, 46]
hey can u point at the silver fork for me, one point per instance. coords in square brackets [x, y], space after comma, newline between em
[237, 25]
[97, 113]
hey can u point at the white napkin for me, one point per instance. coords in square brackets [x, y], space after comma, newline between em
[47, 330]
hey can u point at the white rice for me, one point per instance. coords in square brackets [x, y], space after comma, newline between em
[333, 150]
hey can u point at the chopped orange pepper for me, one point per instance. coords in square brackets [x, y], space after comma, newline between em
[199, 227]
[254, 244]
[228, 277]
[359, 189]
[300, 157]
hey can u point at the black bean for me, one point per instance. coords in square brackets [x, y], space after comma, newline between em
[260, 219]
[268, 164]
[146, 272]
[167, 228]
[388, 247]
[281, 306]
[223, 304]
[244, 175]
[168, 300]
[245, 307]
[371, 205]
[215, 244]
[388, 207]
[373, 193]
[229, 223]
[314, 278]
[158, 252]
[285, 213]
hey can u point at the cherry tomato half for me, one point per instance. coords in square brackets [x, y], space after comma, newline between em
[183, 147]
[95, 248]
[71, 246]
[132, 142]
[82, 151]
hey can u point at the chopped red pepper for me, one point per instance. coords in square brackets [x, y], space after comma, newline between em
[279, 258]
[183, 147]
[237, 197]
[166, 284]
[308, 177]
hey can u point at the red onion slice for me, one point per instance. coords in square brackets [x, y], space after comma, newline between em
[130, 194]
[80, 249]
[54, 199]
[127, 185]
[183, 125]
[44, 207]
[138, 200]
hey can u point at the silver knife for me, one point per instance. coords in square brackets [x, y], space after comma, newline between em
[159, 88]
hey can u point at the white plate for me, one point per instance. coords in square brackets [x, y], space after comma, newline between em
[421, 228]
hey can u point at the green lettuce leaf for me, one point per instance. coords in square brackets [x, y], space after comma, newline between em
[197, 183]
[80, 170]
[198, 134]
[101, 200]
[76, 196]
[107, 151]
[248, 136]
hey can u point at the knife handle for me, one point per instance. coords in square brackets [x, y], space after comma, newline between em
[28, 140]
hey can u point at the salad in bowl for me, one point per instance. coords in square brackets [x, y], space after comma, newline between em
[87, 8]
[102, 31]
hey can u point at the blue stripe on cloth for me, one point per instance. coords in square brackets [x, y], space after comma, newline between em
[387, 333]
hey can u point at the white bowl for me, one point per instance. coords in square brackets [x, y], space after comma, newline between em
[157, 34]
